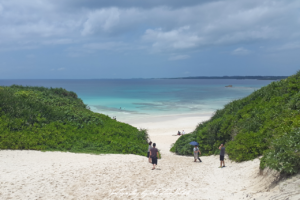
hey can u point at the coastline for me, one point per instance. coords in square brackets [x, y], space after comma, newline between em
[162, 129]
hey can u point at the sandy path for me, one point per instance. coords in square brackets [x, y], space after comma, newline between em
[57, 175]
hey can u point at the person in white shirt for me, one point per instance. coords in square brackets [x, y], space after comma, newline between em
[148, 154]
[183, 132]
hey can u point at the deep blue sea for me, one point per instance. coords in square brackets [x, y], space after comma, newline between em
[133, 97]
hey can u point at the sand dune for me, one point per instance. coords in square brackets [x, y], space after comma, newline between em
[58, 175]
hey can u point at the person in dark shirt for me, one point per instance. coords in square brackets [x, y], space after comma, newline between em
[222, 153]
[154, 155]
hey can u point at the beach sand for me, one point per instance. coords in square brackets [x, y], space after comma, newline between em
[59, 175]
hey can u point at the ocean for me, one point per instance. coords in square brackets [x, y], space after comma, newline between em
[125, 98]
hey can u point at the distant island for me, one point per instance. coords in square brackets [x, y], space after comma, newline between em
[234, 77]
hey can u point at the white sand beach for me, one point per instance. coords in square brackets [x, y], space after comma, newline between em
[58, 175]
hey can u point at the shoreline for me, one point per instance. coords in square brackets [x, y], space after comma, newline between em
[138, 117]
[186, 121]
[163, 129]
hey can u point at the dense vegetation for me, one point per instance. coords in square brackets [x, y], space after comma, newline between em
[39, 118]
[264, 123]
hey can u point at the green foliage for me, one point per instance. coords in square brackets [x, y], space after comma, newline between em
[182, 146]
[251, 144]
[250, 125]
[284, 153]
[55, 119]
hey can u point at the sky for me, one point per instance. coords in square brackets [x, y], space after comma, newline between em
[91, 39]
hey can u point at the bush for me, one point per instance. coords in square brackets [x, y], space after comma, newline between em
[182, 146]
[54, 119]
[250, 125]
[284, 154]
[246, 146]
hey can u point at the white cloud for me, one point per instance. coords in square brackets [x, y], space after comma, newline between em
[180, 38]
[179, 57]
[237, 22]
[91, 48]
[113, 21]
[1, 8]
[107, 46]
[289, 46]
[35, 23]
[57, 41]
[27, 23]
[103, 19]
[240, 51]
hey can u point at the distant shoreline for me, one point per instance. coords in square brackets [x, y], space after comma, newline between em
[191, 77]
[233, 77]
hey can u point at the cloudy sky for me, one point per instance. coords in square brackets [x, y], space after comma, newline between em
[148, 38]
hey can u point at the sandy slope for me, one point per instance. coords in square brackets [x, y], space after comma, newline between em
[56, 175]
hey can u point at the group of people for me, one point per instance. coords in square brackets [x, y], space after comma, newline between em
[153, 154]
[222, 154]
[181, 133]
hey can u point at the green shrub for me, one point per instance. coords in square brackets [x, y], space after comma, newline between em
[250, 125]
[54, 119]
[284, 153]
[246, 146]
[182, 146]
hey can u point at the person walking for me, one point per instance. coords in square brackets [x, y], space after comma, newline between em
[196, 154]
[148, 153]
[154, 155]
[222, 153]
[182, 132]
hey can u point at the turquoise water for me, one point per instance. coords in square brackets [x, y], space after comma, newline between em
[123, 98]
